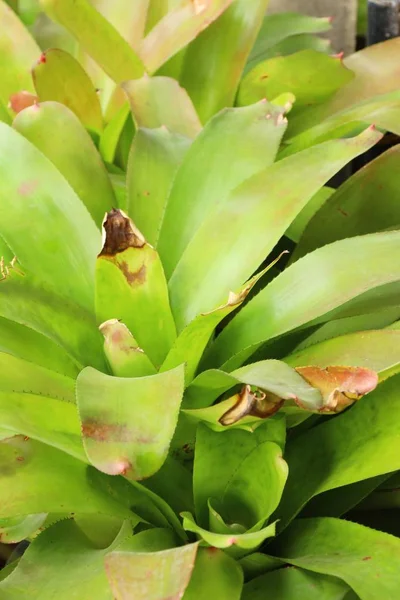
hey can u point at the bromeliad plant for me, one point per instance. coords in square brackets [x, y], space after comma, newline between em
[150, 378]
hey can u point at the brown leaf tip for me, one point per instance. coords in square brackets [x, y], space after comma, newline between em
[251, 403]
[120, 233]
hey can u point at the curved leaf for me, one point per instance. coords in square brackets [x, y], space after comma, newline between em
[177, 29]
[241, 474]
[122, 351]
[158, 101]
[243, 141]
[235, 230]
[367, 560]
[298, 295]
[71, 151]
[353, 209]
[96, 36]
[215, 575]
[18, 51]
[154, 159]
[58, 76]
[360, 444]
[150, 576]
[214, 61]
[33, 191]
[125, 437]
[16, 529]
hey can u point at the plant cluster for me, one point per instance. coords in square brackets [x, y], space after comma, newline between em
[187, 409]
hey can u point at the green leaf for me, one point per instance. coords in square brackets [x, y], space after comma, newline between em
[297, 43]
[29, 345]
[214, 62]
[360, 444]
[71, 151]
[375, 75]
[158, 101]
[299, 225]
[375, 256]
[237, 544]
[18, 51]
[59, 77]
[353, 210]
[367, 560]
[122, 351]
[47, 480]
[96, 36]
[30, 303]
[177, 29]
[150, 576]
[215, 575]
[376, 350]
[16, 529]
[121, 437]
[112, 134]
[131, 286]
[59, 562]
[242, 474]
[173, 482]
[33, 191]
[293, 584]
[280, 26]
[243, 141]
[311, 76]
[154, 159]
[274, 197]
[190, 344]
[257, 564]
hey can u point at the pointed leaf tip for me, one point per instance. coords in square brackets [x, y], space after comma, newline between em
[120, 233]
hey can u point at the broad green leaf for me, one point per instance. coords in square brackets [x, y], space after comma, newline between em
[311, 76]
[18, 51]
[280, 26]
[299, 225]
[61, 563]
[131, 286]
[294, 584]
[367, 560]
[241, 474]
[177, 29]
[214, 62]
[243, 141]
[375, 75]
[96, 36]
[154, 159]
[28, 414]
[215, 575]
[5, 116]
[29, 345]
[30, 303]
[16, 529]
[122, 351]
[21, 376]
[48, 480]
[150, 576]
[121, 437]
[59, 77]
[71, 151]
[382, 111]
[360, 444]
[190, 344]
[313, 286]
[257, 564]
[158, 101]
[237, 544]
[274, 196]
[112, 134]
[173, 483]
[376, 350]
[33, 191]
[297, 43]
[353, 209]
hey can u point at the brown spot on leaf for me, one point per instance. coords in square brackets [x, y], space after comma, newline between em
[367, 558]
[120, 234]
[22, 100]
[254, 404]
[42, 59]
[27, 187]
[133, 277]
[342, 212]
[105, 432]
[340, 386]
[20, 459]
